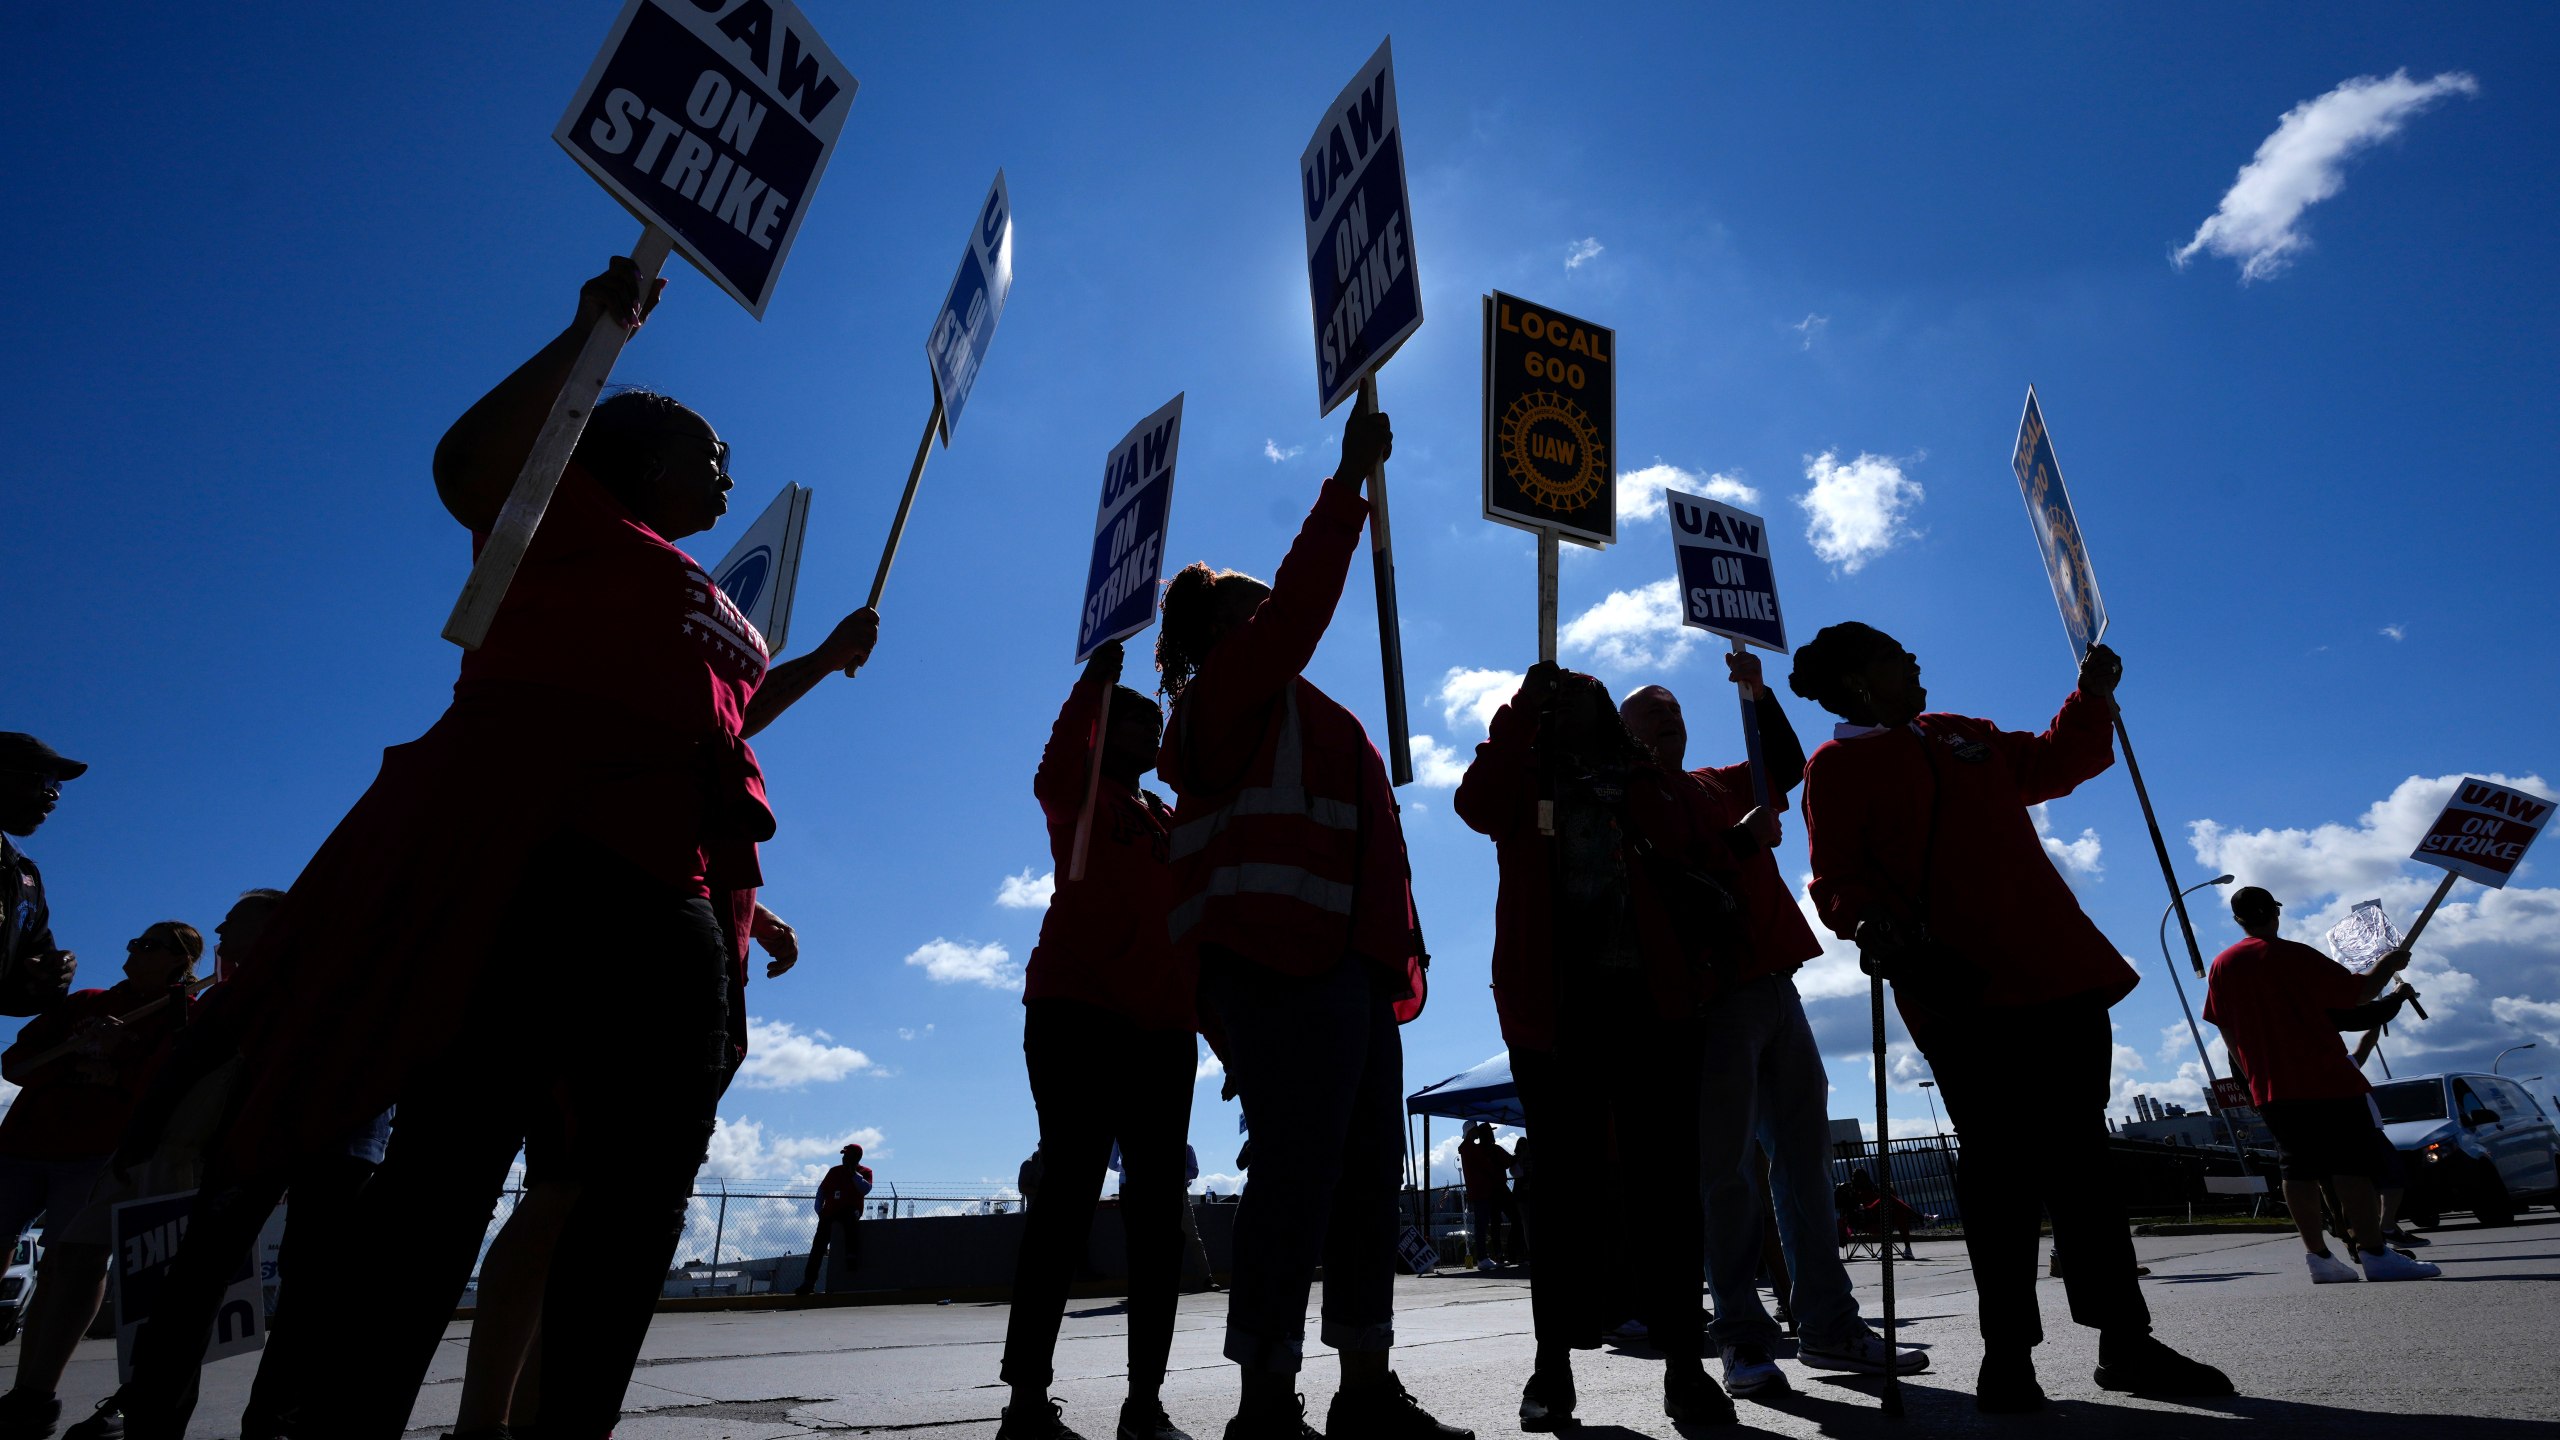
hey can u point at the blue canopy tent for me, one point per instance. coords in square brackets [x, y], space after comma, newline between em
[1486, 1092]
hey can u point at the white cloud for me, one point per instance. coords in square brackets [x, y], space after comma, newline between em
[1273, 451]
[1632, 630]
[780, 1057]
[2482, 958]
[909, 1033]
[1581, 251]
[1808, 328]
[1858, 510]
[740, 1150]
[2072, 857]
[1210, 1066]
[1640, 491]
[2396, 632]
[1476, 694]
[2538, 1018]
[950, 962]
[2301, 164]
[1027, 891]
[1436, 766]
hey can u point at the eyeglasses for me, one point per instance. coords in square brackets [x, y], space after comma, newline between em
[147, 943]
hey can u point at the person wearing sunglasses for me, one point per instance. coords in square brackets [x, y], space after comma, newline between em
[35, 973]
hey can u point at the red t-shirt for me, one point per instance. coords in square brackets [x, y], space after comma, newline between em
[1717, 797]
[62, 1115]
[1104, 940]
[607, 610]
[2271, 999]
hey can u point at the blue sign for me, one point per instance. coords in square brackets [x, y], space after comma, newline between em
[1368, 297]
[762, 571]
[2066, 555]
[1727, 583]
[1129, 532]
[712, 119]
[966, 324]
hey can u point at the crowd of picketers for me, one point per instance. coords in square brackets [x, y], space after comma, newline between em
[423, 1004]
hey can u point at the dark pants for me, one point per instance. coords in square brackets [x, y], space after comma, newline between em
[168, 1353]
[2027, 1090]
[1098, 1078]
[1632, 1099]
[842, 1231]
[1320, 1068]
[613, 1003]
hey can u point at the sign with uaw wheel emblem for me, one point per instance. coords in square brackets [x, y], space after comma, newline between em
[1550, 421]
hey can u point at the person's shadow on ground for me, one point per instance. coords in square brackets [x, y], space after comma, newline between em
[1847, 1407]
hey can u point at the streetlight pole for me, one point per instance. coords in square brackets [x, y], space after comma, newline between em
[2510, 1050]
[2230, 1130]
[1930, 1088]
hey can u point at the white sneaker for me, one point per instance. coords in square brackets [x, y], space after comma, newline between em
[2330, 1270]
[1749, 1371]
[1484, 1267]
[2392, 1265]
[1863, 1352]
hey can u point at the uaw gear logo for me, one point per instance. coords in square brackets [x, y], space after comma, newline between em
[1550, 417]
[1552, 449]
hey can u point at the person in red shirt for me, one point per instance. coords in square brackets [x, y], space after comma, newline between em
[1924, 855]
[1764, 1078]
[1292, 902]
[2274, 1001]
[540, 906]
[838, 1202]
[1598, 984]
[1107, 1036]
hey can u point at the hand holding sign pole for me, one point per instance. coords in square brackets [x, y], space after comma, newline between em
[955, 349]
[1367, 299]
[713, 131]
[2481, 834]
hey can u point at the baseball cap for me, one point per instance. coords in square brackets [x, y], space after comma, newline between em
[2250, 902]
[22, 751]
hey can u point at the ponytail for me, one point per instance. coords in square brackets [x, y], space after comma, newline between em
[1193, 624]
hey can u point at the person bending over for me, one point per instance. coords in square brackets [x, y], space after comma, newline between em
[1107, 1029]
[1924, 854]
[1598, 977]
[1292, 902]
[1763, 1078]
[2275, 1002]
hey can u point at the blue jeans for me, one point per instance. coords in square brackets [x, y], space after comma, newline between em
[1764, 1078]
[1320, 1068]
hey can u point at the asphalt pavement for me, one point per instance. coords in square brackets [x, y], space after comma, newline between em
[2467, 1357]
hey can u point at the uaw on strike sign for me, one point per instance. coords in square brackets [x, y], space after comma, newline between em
[1550, 418]
[2484, 831]
[1728, 584]
[1129, 532]
[956, 347]
[1359, 233]
[711, 119]
[2066, 556]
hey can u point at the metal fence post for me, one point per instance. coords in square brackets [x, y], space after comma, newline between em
[719, 1233]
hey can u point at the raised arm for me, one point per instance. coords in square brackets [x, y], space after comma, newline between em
[2078, 745]
[479, 458]
[1059, 783]
[847, 648]
[1500, 791]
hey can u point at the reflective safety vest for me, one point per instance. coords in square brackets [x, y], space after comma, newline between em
[1272, 854]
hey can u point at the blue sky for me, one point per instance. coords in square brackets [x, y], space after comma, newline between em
[261, 259]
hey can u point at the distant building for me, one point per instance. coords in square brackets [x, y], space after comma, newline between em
[1847, 1132]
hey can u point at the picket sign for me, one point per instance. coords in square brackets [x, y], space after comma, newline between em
[1367, 301]
[1126, 569]
[955, 347]
[1729, 586]
[761, 573]
[144, 1236]
[2084, 615]
[711, 121]
[2481, 834]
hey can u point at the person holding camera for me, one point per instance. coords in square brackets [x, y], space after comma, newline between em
[1599, 976]
[2279, 1005]
[1924, 854]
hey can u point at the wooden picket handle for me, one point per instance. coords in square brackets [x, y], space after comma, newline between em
[1547, 555]
[503, 553]
[1760, 789]
[1092, 790]
[1382, 557]
[146, 1008]
[906, 502]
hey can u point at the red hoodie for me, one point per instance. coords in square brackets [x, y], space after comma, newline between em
[1993, 893]
[1103, 941]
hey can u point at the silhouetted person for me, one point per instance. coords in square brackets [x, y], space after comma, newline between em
[2276, 1003]
[839, 1205]
[1924, 854]
[1292, 898]
[1603, 955]
[34, 971]
[1763, 1077]
[1486, 1168]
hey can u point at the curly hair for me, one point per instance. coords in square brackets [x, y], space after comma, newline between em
[1825, 664]
[625, 436]
[1192, 624]
[1605, 738]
